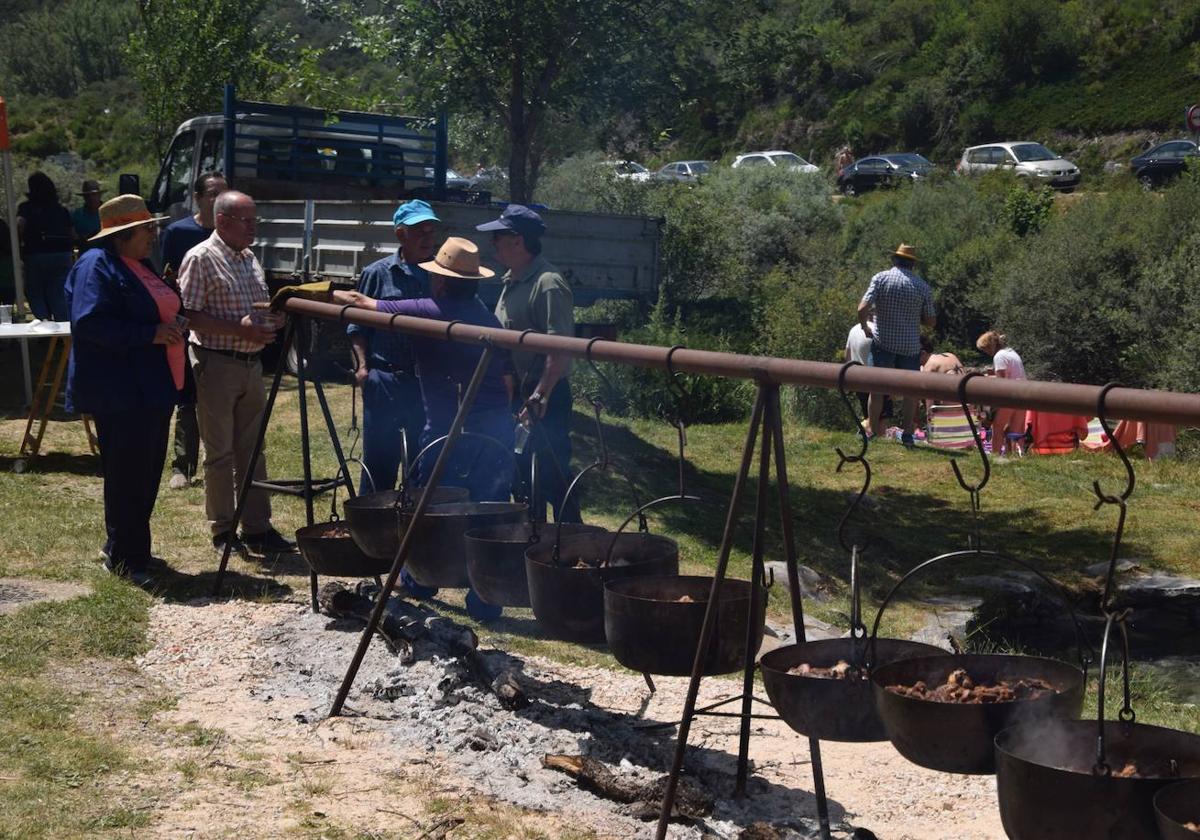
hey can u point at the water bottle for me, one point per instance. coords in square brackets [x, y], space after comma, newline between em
[520, 438]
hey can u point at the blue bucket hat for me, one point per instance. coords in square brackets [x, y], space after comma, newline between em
[519, 219]
[413, 213]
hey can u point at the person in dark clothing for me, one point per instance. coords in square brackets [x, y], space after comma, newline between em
[128, 370]
[444, 369]
[8, 285]
[85, 219]
[46, 234]
[535, 296]
[383, 361]
[179, 238]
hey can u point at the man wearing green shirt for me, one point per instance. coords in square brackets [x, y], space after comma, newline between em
[535, 296]
[86, 219]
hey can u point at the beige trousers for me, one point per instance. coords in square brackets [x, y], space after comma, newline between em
[230, 399]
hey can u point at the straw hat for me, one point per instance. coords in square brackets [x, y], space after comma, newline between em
[122, 213]
[908, 252]
[458, 258]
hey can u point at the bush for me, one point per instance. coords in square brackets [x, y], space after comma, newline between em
[1027, 209]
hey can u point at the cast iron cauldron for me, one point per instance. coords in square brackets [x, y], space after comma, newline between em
[1176, 805]
[829, 709]
[374, 518]
[437, 556]
[496, 559]
[650, 630]
[336, 556]
[1048, 790]
[958, 737]
[568, 602]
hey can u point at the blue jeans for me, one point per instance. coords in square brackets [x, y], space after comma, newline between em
[391, 402]
[887, 359]
[483, 467]
[45, 275]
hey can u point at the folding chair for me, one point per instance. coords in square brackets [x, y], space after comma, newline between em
[947, 427]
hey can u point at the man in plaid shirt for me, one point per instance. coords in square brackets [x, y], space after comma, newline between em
[903, 303]
[222, 278]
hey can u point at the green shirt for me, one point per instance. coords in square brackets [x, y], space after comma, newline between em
[538, 299]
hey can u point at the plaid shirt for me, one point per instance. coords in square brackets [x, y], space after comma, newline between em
[216, 280]
[901, 298]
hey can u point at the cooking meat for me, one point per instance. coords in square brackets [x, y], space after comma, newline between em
[1161, 768]
[959, 687]
[1192, 826]
[336, 531]
[685, 599]
[843, 670]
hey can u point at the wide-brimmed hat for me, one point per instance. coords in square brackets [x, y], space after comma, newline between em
[458, 258]
[91, 188]
[122, 213]
[908, 252]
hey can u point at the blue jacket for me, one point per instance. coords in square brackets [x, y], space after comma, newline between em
[115, 364]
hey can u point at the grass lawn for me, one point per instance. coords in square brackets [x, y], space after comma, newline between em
[54, 767]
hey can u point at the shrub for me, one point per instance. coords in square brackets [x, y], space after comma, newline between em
[1027, 210]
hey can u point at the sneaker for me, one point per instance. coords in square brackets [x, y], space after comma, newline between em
[417, 590]
[481, 610]
[236, 546]
[906, 439]
[138, 577]
[268, 543]
[178, 481]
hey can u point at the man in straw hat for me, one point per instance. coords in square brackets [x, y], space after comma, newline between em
[903, 303]
[536, 297]
[444, 369]
[384, 366]
[86, 219]
[222, 279]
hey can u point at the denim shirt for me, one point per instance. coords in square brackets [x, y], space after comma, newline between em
[390, 279]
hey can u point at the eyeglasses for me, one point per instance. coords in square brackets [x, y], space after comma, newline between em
[246, 220]
[503, 234]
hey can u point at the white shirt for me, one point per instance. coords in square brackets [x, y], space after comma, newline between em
[1006, 359]
[858, 346]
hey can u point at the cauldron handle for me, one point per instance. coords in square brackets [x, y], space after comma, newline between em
[1085, 659]
[1126, 715]
[603, 465]
[488, 439]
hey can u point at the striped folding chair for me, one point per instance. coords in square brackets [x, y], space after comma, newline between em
[1096, 440]
[947, 427]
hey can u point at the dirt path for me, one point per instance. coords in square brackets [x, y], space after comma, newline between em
[247, 750]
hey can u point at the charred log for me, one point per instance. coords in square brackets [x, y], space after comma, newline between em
[594, 776]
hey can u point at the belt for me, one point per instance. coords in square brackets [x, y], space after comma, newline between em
[233, 354]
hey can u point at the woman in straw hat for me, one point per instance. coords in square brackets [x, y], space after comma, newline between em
[127, 369]
[444, 368]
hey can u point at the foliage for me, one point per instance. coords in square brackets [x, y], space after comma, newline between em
[57, 50]
[1027, 209]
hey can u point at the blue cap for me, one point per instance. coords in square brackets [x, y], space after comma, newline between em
[519, 219]
[413, 213]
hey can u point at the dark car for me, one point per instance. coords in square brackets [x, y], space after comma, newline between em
[882, 171]
[1163, 162]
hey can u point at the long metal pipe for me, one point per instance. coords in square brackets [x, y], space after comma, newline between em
[1064, 398]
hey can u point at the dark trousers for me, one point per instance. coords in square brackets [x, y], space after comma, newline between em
[187, 441]
[133, 449]
[391, 403]
[551, 440]
[484, 467]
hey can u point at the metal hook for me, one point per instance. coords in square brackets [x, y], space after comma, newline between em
[844, 459]
[450, 326]
[1101, 399]
[608, 386]
[987, 467]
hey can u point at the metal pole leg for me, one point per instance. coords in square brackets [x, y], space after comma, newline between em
[334, 439]
[710, 615]
[464, 408]
[248, 478]
[789, 546]
[301, 334]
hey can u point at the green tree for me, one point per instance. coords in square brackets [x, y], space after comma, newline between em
[521, 61]
[183, 53]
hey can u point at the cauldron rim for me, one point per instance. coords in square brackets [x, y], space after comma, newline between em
[616, 587]
[1076, 671]
[1090, 725]
[656, 539]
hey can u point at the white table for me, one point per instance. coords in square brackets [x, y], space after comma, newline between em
[33, 329]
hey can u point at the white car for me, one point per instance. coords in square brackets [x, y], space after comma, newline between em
[1025, 159]
[787, 160]
[683, 170]
[627, 170]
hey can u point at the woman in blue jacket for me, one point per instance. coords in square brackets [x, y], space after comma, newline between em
[128, 371]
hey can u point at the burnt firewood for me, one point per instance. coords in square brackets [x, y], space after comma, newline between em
[404, 625]
[645, 799]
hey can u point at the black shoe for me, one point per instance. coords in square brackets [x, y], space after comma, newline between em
[237, 546]
[138, 577]
[268, 543]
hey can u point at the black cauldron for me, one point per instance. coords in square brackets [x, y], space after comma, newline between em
[374, 518]
[437, 555]
[338, 555]
[496, 559]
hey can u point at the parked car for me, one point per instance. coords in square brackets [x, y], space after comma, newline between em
[787, 160]
[627, 170]
[683, 170]
[1162, 163]
[1026, 159]
[882, 171]
[454, 181]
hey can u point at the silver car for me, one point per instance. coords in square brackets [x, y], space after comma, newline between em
[683, 170]
[1023, 158]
